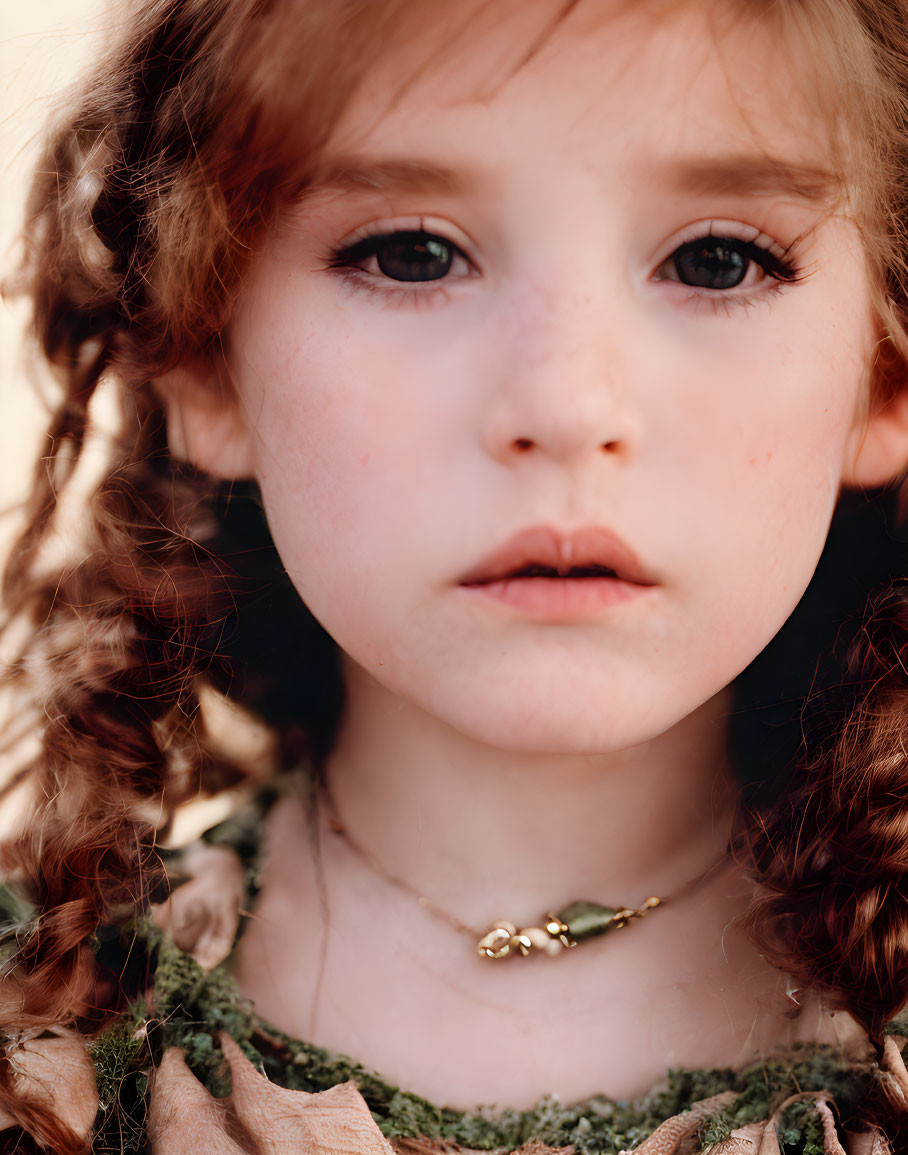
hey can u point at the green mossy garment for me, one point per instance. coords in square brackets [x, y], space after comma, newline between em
[183, 1006]
[191, 1008]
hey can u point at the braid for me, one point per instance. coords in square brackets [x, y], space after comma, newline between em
[832, 854]
[125, 635]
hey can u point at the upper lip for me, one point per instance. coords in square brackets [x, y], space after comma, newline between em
[561, 551]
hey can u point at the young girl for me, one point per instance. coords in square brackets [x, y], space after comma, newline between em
[549, 337]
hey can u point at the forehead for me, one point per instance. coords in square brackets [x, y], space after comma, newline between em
[709, 86]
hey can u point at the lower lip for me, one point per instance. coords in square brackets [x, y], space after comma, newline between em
[559, 599]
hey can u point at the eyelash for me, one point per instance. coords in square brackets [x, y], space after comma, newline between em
[779, 270]
[349, 259]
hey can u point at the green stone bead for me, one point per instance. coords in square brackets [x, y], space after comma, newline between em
[587, 919]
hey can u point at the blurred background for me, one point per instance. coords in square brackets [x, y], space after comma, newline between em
[43, 46]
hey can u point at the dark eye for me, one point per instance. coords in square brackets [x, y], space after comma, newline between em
[719, 263]
[401, 256]
[711, 263]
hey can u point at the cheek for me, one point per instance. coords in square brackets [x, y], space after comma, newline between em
[772, 412]
[763, 459]
[342, 465]
[353, 411]
[325, 466]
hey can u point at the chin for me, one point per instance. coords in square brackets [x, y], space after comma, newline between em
[560, 723]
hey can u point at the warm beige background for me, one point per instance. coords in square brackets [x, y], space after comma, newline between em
[43, 45]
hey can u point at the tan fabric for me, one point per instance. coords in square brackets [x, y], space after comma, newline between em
[55, 1071]
[202, 915]
[893, 1072]
[258, 1118]
[446, 1147]
[868, 1144]
[676, 1133]
[678, 1136]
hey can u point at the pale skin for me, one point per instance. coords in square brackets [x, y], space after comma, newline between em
[559, 374]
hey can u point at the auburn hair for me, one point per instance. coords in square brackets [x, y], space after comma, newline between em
[142, 582]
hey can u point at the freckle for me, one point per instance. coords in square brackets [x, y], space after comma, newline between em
[365, 458]
[769, 457]
[752, 461]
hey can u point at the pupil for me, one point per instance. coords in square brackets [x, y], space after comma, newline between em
[414, 257]
[712, 265]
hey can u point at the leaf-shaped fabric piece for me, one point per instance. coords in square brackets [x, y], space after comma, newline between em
[675, 1135]
[258, 1117]
[55, 1071]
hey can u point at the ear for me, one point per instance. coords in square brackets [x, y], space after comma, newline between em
[205, 423]
[878, 452]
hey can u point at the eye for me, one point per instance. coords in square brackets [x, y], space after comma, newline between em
[403, 256]
[722, 263]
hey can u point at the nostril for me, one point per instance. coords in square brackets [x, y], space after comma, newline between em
[610, 446]
[523, 444]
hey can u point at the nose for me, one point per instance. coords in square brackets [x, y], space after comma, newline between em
[563, 383]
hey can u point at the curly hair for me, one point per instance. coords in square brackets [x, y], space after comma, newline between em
[156, 187]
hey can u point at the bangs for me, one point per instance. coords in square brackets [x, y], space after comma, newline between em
[208, 118]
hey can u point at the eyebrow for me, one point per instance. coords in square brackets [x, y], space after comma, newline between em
[743, 174]
[352, 174]
[751, 175]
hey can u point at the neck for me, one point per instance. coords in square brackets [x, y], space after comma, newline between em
[485, 832]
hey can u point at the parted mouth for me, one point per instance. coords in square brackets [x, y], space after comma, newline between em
[573, 571]
[546, 552]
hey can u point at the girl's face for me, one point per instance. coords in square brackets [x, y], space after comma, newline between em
[605, 301]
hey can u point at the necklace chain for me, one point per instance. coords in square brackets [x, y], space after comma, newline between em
[337, 827]
[578, 922]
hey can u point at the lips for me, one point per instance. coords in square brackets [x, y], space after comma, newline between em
[559, 578]
[544, 553]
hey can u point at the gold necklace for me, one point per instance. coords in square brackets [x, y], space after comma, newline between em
[578, 922]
